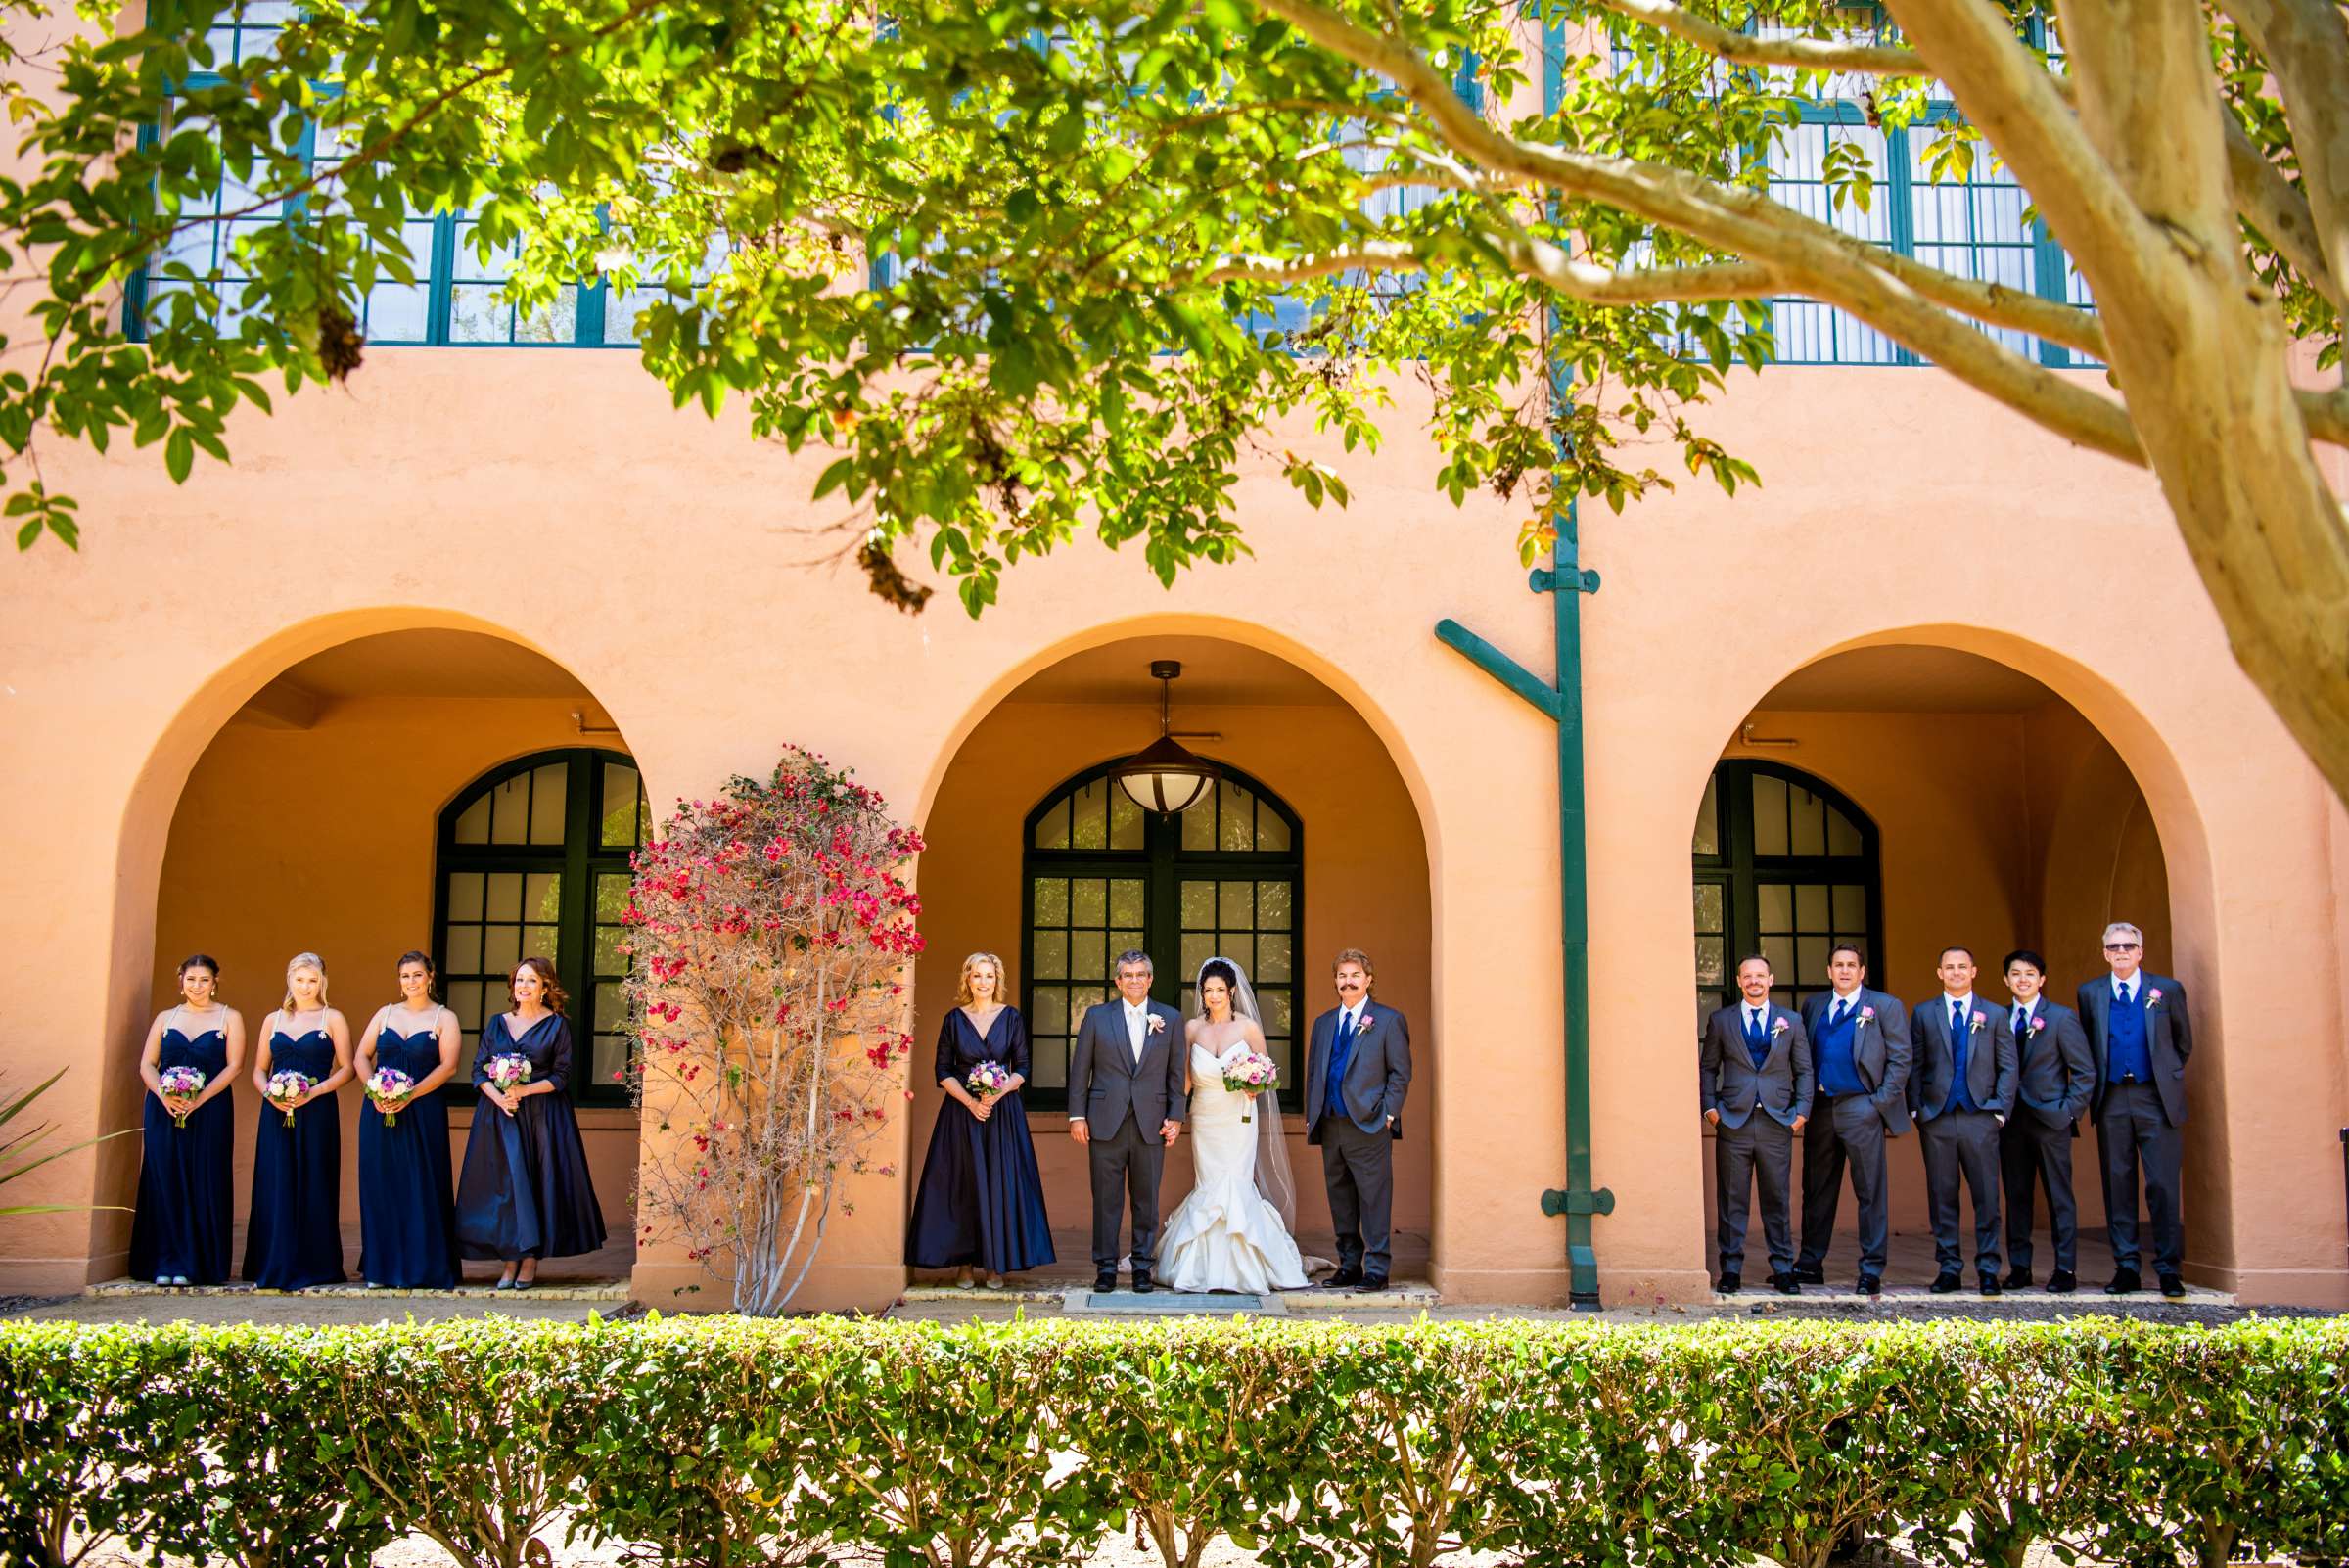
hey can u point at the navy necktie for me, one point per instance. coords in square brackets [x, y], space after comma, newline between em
[1956, 1022]
[1753, 1027]
[2022, 1025]
[2124, 995]
[1842, 1010]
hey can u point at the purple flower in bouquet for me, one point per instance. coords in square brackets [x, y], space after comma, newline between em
[391, 1088]
[509, 1072]
[987, 1080]
[1251, 1074]
[289, 1085]
[181, 1083]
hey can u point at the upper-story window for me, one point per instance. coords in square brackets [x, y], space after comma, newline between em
[1974, 223]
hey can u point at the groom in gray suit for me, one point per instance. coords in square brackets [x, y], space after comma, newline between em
[1125, 1106]
[1358, 1068]
[1754, 1086]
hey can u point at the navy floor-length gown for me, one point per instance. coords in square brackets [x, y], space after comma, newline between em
[980, 1202]
[407, 1186]
[293, 1233]
[526, 1192]
[187, 1199]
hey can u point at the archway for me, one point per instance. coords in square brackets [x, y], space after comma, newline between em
[2001, 818]
[1330, 825]
[423, 787]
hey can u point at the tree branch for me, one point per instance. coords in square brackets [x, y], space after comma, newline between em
[1539, 259]
[2280, 211]
[2326, 415]
[2305, 45]
[1744, 49]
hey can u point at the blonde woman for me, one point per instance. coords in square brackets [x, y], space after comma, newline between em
[187, 1200]
[293, 1235]
[981, 1203]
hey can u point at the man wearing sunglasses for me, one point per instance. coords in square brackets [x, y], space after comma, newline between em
[2140, 1037]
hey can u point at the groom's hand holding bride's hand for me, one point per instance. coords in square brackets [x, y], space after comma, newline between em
[1170, 1130]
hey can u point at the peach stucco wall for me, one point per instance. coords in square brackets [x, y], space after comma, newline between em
[556, 499]
[320, 840]
[1365, 886]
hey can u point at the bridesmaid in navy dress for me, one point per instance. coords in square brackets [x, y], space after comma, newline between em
[981, 1203]
[525, 1195]
[187, 1204]
[407, 1188]
[293, 1233]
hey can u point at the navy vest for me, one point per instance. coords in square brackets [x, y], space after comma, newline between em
[1831, 1051]
[2125, 1054]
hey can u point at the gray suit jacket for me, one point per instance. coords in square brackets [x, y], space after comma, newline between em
[2058, 1071]
[1378, 1074]
[2169, 1036]
[1880, 1051]
[1990, 1066]
[1106, 1082]
[1726, 1078]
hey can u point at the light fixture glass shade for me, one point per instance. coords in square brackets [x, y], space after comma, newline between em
[1165, 777]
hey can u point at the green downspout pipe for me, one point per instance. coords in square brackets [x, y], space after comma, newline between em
[1565, 582]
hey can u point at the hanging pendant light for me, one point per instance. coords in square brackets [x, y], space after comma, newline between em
[1164, 776]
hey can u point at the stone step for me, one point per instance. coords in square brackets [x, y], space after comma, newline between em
[601, 1290]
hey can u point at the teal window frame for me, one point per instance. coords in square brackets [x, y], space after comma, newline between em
[1737, 868]
[1162, 864]
[580, 859]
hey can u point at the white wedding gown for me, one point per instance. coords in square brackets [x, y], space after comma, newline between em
[1225, 1237]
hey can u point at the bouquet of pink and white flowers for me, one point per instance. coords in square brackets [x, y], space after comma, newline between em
[288, 1085]
[1251, 1073]
[509, 1072]
[181, 1083]
[988, 1079]
[390, 1087]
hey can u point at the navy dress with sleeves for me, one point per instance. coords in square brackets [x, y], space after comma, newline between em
[980, 1202]
[526, 1192]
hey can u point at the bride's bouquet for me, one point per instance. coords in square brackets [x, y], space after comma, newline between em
[1250, 1072]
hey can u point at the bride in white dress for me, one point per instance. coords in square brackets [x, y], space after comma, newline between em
[1232, 1233]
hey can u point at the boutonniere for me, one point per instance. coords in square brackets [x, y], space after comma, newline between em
[2153, 998]
[1981, 1019]
[1779, 1026]
[1867, 1015]
[1364, 1028]
[1158, 1024]
[2037, 1023]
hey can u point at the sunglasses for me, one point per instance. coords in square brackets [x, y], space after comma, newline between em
[2120, 947]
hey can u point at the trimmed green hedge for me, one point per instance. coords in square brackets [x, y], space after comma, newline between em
[726, 1442]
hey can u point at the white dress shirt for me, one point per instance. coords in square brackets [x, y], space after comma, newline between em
[1352, 1017]
[1137, 1028]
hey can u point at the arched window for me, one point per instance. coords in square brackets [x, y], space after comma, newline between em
[1784, 865]
[1102, 876]
[534, 858]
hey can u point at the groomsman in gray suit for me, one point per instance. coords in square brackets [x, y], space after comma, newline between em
[1859, 1050]
[1127, 1103]
[1754, 1086]
[2140, 1036]
[1358, 1068]
[1962, 1090]
[2056, 1075]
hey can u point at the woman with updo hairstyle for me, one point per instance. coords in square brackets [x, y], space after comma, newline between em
[525, 1194]
[187, 1199]
[293, 1230]
[407, 1187]
[981, 1204]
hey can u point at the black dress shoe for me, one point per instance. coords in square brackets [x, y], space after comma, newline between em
[1991, 1286]
[2063, 1282]
[1729, 1284]
[2172, 1288]
[1946, 1283]
[1870, 1285]
[1143, 1284]
[1785, 1284]
[1370, 1283]
[2018, 1279]
[1344, 1279]
[2124, 1283]
[1810, 1273]
[1106, 1280]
